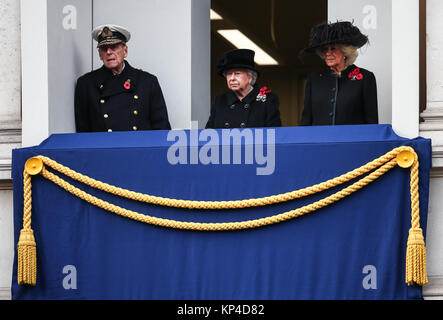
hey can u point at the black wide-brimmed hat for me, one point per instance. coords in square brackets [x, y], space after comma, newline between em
[340, 32]
[237, 59]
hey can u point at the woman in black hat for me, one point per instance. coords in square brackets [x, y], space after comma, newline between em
[245, 105]
[342, 93]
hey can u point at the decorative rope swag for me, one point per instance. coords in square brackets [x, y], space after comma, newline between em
[402, 156]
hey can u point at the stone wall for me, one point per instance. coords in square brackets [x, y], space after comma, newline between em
[10, 130]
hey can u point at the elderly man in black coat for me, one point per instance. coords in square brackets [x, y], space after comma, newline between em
[118, 97]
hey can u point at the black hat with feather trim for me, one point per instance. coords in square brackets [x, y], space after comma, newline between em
[340, 32]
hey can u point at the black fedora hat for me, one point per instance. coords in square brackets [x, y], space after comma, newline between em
[340, 32]
[238, 58]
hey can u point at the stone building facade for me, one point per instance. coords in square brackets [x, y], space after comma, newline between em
[429, 120]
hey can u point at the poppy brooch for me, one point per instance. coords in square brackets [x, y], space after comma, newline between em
[127, 84]
[262, 94]
[356, 75]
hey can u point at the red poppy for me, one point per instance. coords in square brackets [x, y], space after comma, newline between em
[264, 90]
[356, 74]
[127, 85]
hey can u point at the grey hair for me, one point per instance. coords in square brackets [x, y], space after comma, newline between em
[253, 76]
[349, 52]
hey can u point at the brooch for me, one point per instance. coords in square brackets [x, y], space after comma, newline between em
[262, 94]
[356, 75]
[127, 84]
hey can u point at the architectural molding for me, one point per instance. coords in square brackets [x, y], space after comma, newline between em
[436, 172]
[6, 185]
[10, 138]
[434, 289]
[5, 293]
[432, 128]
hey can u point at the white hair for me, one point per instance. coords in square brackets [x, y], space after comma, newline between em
[251, 73]
[350, 53]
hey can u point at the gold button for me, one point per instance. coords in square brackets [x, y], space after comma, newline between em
[34, 166]
[101, 86]
[109, 130]
[106, 116]
[135, 97]
[135, 112]
[102, 101]
[405, 159]
[134, 128]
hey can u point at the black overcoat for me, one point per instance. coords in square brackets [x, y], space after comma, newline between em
[254, 110]
[347, 99]
[132, 100]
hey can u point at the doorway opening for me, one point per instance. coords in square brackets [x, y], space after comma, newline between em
[281, 29]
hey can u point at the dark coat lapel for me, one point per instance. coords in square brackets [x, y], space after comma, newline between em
[110, 85]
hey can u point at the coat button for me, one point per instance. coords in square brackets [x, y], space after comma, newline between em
[332, 100]
[101, 86]
[135, 97]
[330, 114]
[102, 101]
[227, 124]
[232, 106]
[106, 116]
[242, 125]
[135, 112]
[333, 89]
[109, 130]
[134, 128]
[246, 106]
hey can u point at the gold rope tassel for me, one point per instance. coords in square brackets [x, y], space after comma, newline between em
[26, 247]
[416, 249]
[27, 258]
[416, 258]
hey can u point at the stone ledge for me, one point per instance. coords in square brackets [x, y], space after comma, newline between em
[432, 128]
[10, 125]
[436, 172]
[10, 138]
[434, 289]
[5, 184]
[5, 293]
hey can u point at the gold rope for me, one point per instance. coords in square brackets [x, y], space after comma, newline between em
[219, 226]
[26, 247]
[416, 249]
[237, 204]
[415, 253]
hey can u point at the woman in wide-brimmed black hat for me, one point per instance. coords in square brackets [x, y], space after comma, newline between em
[342, 93]
[245, 104]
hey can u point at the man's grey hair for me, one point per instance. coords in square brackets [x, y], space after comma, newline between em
[350, 53]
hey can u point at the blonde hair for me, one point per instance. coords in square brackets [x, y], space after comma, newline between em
[349, 52]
